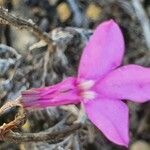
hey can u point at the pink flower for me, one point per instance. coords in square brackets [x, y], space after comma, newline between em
[100, 85]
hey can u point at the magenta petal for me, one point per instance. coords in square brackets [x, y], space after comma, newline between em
[62, 93]
[128, 82]
[103, 52]
[111, 117]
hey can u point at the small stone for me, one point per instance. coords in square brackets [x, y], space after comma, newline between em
[52, 2]
[140, 145]
[26, 126]
[1, 2]
[63, 12]
[93, 12]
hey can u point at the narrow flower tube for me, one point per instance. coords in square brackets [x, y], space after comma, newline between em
[62, 93]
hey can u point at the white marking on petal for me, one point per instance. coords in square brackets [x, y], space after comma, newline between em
[86, 85]
[88, 95]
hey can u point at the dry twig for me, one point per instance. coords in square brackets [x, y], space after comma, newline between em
[48, 135]
[45, 136]
[19, 120]
[7, 18]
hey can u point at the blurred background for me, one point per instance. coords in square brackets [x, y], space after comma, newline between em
[25, 63]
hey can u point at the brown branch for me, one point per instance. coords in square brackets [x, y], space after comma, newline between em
[7, 18]
[6, 133]
[45, 136]
[19, 120]
[11, 104]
